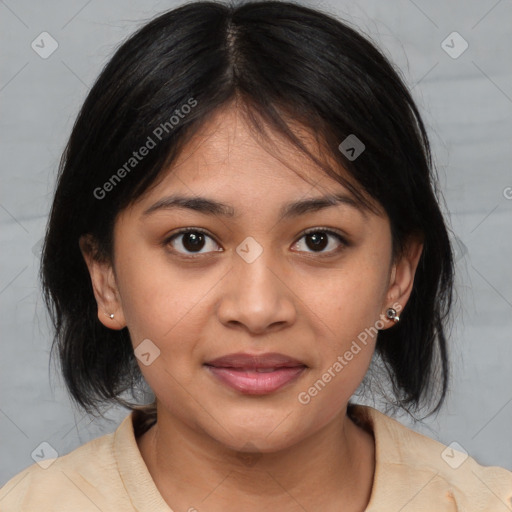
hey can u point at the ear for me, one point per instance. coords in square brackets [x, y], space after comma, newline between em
[402, 277]
[103, 284]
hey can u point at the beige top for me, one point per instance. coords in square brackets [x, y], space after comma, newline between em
[412, 473]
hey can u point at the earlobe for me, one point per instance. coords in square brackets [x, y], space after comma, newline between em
[110, 312]
[112, 322]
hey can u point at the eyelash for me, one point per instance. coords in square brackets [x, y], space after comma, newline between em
[328, 231]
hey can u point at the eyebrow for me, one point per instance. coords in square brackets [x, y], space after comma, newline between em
[209, 206]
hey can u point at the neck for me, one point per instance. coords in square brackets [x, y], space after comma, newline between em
[192, 470]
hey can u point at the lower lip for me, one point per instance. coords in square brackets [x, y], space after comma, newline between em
[256, 383]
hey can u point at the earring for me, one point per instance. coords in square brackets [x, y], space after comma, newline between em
[111, 316]
[392, 315]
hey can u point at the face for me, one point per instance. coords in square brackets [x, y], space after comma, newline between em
[256, 278]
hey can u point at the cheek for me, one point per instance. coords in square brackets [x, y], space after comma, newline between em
[162, 306]
[156, 296]
[350, 300]
[347, 308]
[169, 306]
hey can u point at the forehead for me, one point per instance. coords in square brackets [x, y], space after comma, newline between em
[227, 152]
[228, 166]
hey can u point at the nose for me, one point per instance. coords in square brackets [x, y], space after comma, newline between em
[257, 296]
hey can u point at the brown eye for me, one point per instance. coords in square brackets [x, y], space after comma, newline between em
[318, 240]
[191, 241]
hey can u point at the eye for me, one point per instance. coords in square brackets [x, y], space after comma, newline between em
[191, 241]
[317, 239]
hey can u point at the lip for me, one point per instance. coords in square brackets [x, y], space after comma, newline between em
[256, 374]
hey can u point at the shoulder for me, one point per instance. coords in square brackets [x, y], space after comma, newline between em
[85, 479]
[420, 473]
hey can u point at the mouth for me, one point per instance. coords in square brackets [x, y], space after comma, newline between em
[256, 374]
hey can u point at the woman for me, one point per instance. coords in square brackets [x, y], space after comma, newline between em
[246, 221]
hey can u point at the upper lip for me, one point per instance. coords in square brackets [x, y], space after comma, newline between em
[254, 361]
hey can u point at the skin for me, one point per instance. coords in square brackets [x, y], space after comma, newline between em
[305, 303]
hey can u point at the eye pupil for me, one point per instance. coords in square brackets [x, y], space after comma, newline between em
[319, 240]
[193, 240]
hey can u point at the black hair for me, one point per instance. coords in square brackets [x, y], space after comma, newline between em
[283, 63]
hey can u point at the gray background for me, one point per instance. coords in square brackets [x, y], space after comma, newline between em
[466, 103]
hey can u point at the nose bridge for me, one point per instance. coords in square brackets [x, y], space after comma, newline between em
[251, 266]
[256, 295]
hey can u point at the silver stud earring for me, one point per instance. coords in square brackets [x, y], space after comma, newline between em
[392, 315]
[111, 316]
